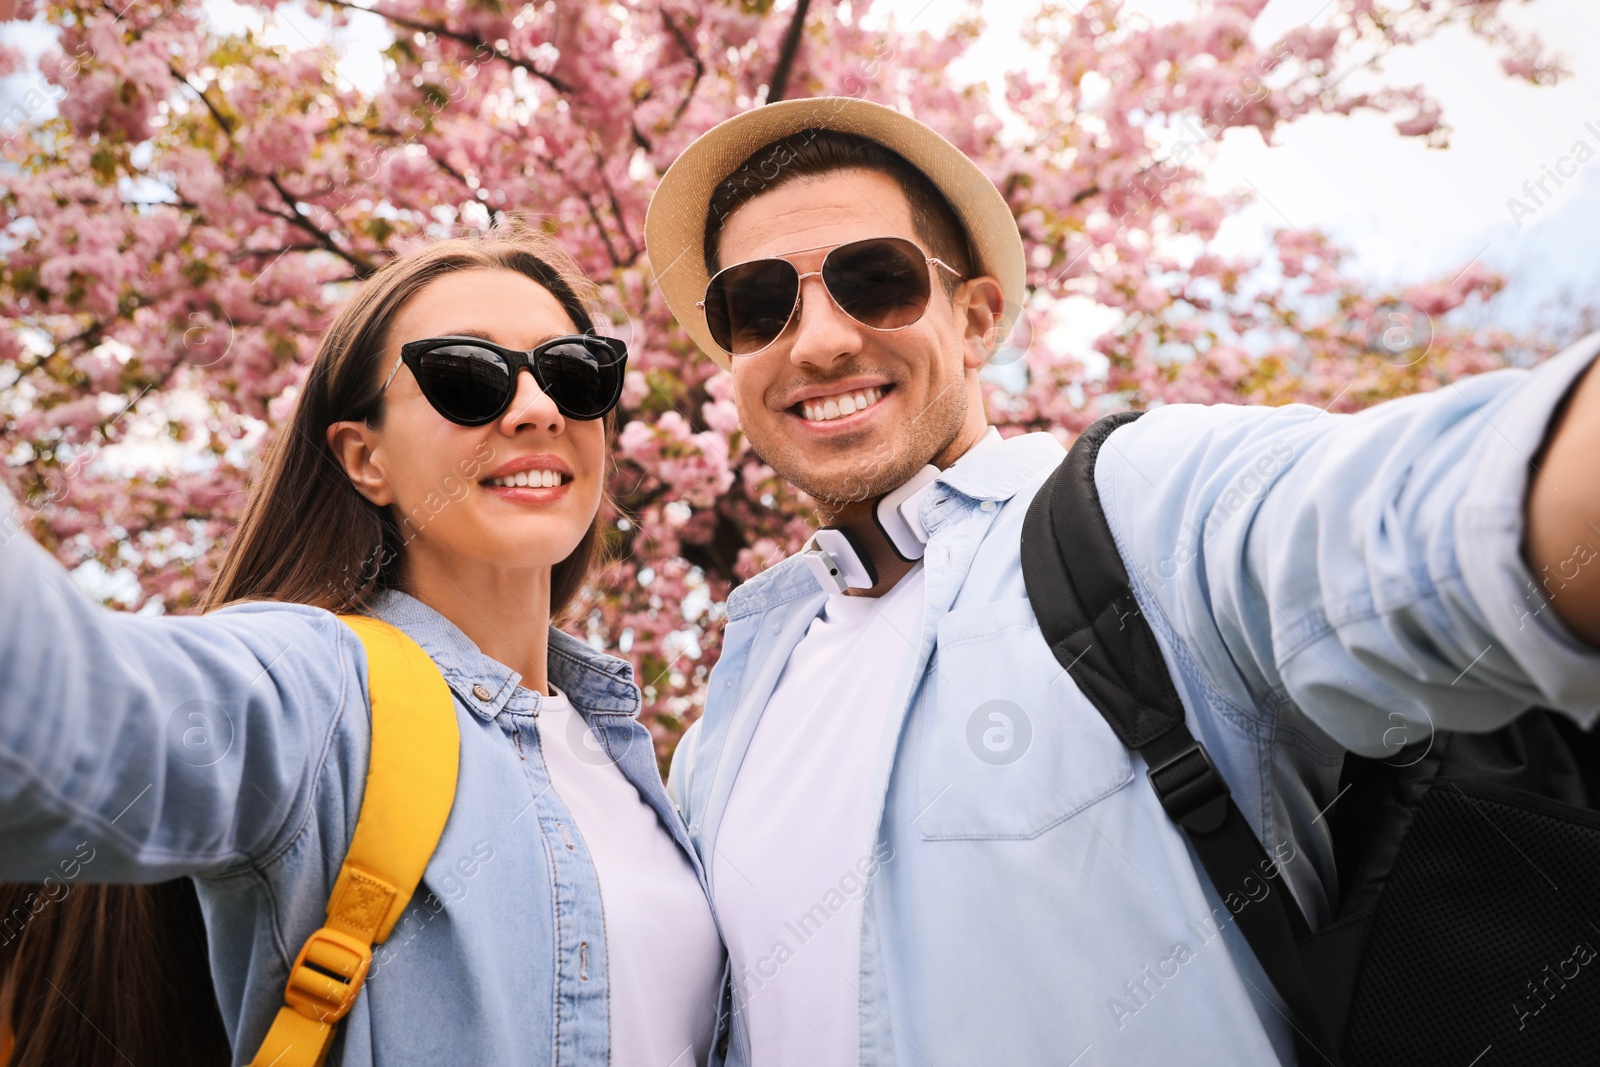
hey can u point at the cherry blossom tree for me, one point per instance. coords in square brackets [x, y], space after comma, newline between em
[184, 207]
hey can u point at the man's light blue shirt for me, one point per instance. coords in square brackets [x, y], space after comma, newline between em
[1317, 582]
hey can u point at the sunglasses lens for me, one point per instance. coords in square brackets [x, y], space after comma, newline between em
[583, 376]
[882, 283]
[748, 305]
[465, 383]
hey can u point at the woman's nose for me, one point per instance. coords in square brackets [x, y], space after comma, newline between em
[531, 407]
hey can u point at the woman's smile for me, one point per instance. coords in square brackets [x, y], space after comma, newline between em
[536, 479]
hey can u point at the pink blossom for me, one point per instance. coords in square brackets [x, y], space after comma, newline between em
[202, 206]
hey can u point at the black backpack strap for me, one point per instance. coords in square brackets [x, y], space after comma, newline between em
[1086, 609]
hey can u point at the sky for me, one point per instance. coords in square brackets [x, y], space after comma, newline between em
[1407, 212]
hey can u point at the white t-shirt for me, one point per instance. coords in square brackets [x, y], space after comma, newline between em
[662, 950]
[797, 843]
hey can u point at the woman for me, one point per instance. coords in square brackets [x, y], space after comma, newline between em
[425, 481]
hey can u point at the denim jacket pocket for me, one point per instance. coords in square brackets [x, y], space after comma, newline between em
[1008, 745]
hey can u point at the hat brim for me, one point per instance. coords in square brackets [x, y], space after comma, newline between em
[674, 228]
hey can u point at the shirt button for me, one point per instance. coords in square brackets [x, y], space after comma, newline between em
[481, 692]
[987, 505]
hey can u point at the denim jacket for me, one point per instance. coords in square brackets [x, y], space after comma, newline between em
[1318, 583]
[232, 747]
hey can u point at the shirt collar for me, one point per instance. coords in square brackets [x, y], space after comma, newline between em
[994, 468]
[592, 680]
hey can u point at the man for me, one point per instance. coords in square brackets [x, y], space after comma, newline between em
[924, 845]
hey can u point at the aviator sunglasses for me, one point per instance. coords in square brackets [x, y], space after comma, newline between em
[471, 381]
[882, 282]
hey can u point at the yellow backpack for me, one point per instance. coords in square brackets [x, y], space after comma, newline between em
[411, 784]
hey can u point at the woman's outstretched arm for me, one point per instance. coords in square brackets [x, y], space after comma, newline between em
[165, 746]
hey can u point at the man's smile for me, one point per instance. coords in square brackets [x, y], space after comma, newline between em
[838, 402]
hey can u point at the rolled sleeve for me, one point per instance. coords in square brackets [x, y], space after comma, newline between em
[1491, 526]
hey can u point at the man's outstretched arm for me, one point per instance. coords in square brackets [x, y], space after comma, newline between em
[1375, 571]
[1563, 533]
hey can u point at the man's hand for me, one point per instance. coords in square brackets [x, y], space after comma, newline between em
[1562, 545]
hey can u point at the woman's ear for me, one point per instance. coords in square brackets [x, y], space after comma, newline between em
[978, 314]
[355, 447]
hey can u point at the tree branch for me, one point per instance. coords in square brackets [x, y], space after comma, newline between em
[325, 240]
[779, 84]
[616, 211]
[255, 253]
[605, 238]
[689, 49]
[472, 40]
[222, 120]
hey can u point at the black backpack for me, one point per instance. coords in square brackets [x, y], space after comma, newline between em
[1468, 934]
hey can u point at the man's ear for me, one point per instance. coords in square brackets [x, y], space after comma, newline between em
[355, 447]
[979, 304]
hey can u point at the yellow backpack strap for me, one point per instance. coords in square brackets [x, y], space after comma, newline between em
[411, 783]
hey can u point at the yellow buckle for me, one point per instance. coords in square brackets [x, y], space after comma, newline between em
[327, 975]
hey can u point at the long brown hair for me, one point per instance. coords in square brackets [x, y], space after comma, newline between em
[117, 974]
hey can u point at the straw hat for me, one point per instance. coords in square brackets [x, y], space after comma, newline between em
[674, 228]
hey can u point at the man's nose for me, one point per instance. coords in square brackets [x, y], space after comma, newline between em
[823, 333]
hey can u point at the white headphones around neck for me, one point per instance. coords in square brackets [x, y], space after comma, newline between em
[839, 562]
